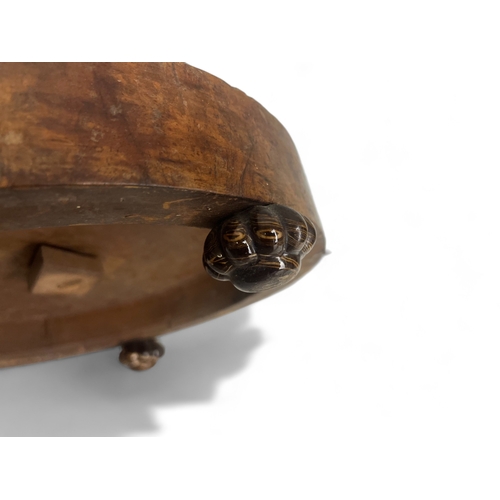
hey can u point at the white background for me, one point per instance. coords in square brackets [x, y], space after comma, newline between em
[378, 374]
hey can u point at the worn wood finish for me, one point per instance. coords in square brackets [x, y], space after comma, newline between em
[134, 164]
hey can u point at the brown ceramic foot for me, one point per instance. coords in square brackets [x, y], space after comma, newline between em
[259, 248]
[141, 354]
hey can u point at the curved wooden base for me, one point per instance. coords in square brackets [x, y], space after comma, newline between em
[153, 280]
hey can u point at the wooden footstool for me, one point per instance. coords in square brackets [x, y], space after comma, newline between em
[138, 199]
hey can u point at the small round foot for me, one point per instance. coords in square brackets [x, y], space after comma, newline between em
[141, 354]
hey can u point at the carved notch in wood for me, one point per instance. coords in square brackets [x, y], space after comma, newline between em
[259, 248]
